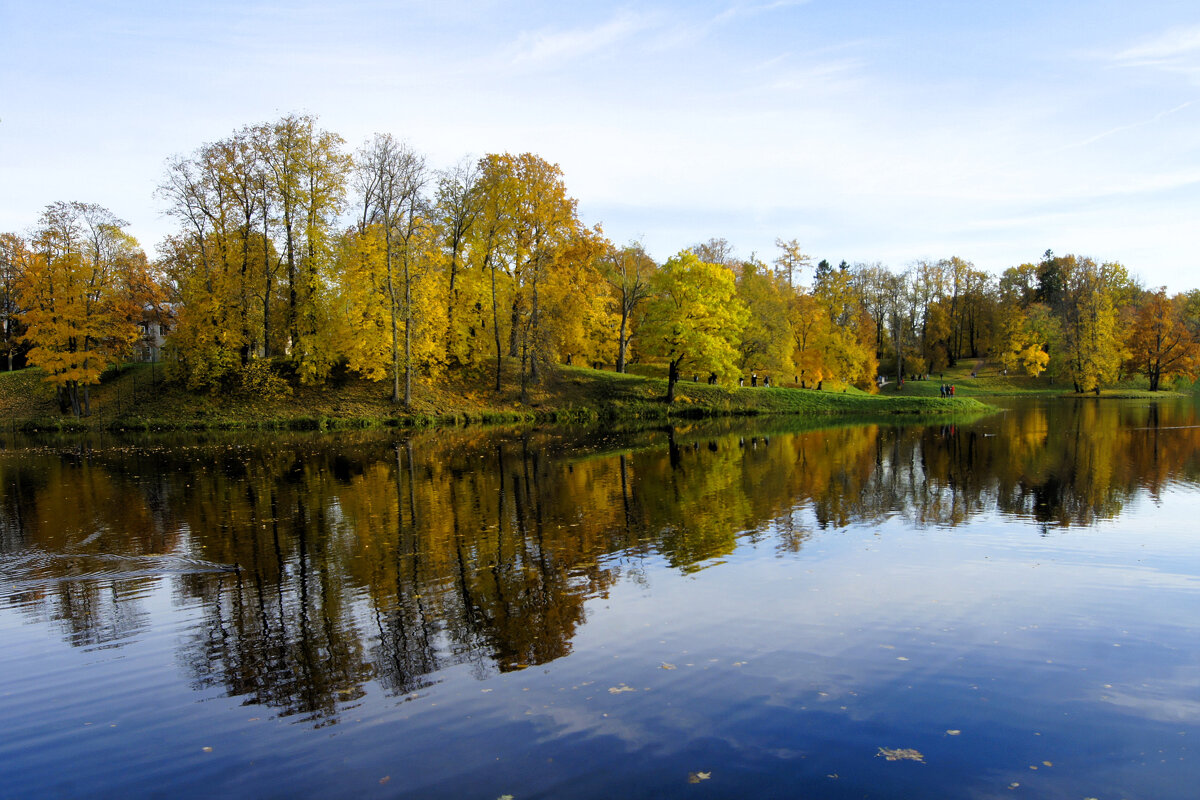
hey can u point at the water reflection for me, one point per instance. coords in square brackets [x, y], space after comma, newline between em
[318, 564]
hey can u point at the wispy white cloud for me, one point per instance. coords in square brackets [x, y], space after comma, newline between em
[1175, 51]
[1131, 126]
[554, 45]
[692, 31]
[1172, 44]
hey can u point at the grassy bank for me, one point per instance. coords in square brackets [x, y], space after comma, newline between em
[136, 397]
[980, 378]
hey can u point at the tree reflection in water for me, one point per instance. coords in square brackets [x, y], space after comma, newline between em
[377, 557]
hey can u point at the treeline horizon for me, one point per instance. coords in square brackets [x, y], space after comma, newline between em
[295, 258]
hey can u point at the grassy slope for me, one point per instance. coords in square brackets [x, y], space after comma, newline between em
[990, 382]
[138, 398]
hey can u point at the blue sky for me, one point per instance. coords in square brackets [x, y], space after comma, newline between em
[870, 131]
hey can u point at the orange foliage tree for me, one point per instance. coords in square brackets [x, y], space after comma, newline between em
[85, 287]
[1161, 345]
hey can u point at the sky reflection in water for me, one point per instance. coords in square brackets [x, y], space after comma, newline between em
[712, 610]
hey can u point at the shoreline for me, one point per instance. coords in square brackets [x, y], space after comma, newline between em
[135, 398]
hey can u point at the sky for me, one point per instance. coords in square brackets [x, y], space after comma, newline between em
[870, 131]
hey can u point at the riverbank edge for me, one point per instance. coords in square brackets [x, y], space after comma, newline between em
[136, 399]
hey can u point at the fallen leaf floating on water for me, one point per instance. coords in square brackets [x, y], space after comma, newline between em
[953, 733]
[900, 754]
[696, 777]
[667, 666]
[621, 688]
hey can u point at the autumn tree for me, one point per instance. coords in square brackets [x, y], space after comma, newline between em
[767, 339]
[305, 172]
[488, 244]
[458, 206]
[576, 315]
[527, 222]
[544, 223]
[222, 263]
[811, 331]
[1160, 343]
[81, 293]
[14, 256]
[1090, 353]
[1025, 337]
[628, 271]
[790, 261]
[695, 318]
[848, 348]
[716, 250]
[390, 177]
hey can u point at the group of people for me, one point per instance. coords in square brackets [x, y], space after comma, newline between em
[754, 380]
[947, 390]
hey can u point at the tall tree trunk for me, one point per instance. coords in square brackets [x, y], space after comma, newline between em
[535, 352]
[293, 304]
[495, 318]
[621, 340]
[514, 330]
[672, 378]
[407, 333]
[387, 248]
[451, 305]
[267, 292]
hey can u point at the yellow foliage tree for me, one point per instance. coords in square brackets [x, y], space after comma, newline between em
[695, 318]
[1025, 337]
[83, 292]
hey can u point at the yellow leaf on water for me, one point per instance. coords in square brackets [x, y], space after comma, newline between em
[900, 754]
[696, 777]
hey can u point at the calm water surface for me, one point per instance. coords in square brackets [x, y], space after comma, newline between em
[1008, 607]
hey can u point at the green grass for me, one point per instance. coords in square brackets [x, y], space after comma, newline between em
[990, 381]
[136, 398]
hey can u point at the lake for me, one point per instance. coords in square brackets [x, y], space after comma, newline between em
[1001, 607]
